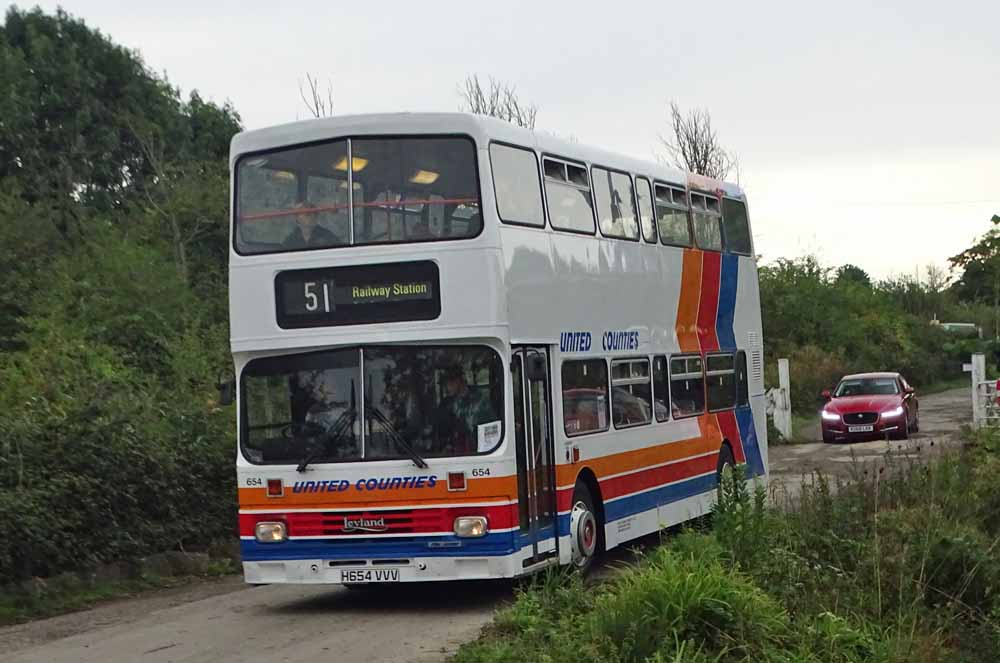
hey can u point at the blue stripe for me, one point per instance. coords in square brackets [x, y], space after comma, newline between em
[658, 496]
[491, 545]
[727, 302]
[751, 445]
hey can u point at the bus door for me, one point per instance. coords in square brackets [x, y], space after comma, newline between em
[535, 452]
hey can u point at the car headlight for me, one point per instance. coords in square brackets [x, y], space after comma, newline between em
[894, 412]
[830, 416]
[471, 527]
[271, 532]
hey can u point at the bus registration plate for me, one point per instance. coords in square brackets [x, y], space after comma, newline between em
[369, 575]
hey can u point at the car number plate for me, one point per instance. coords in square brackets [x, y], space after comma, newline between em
[369, 575]
[861, 429]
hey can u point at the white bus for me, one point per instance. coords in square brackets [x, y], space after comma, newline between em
[469, 350]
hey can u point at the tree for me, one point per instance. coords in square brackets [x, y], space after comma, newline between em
[318, 103]
[694, 145]
[852, 274]
[980, 271]
[498, 100]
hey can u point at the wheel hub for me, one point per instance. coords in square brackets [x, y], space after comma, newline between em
[583, 530]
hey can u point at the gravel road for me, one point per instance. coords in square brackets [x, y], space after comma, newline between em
[225, 620]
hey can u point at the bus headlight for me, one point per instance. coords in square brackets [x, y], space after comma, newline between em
[471, 527]
[268, 532]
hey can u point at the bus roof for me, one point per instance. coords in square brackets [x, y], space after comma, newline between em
[481, 128]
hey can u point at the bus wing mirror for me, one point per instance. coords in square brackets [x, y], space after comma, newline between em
[536, 368]
[226, 386]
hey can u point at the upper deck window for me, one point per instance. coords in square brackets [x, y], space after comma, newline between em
[358, 191]
[734, 219]
[672, 215]
[644, 196]
[706, 217]
[516, 185]
[567, 189]
[615, 204]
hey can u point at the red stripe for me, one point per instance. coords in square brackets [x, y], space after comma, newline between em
[397, 521]
[731, 431]
[653, 477]
[708, 309]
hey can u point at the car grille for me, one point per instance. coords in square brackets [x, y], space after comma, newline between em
[860, 418]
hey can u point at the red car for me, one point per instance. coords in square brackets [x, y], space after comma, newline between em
[869, 406]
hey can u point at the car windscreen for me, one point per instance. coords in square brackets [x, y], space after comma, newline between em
[372, 403]
[867, 387]
[357, 191]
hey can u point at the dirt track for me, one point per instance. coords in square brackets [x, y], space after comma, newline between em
[227, 621]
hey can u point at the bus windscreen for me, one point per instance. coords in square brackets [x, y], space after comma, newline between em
[372, 403]
[357, 191]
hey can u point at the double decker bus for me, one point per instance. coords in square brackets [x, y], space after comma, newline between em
[468, 350]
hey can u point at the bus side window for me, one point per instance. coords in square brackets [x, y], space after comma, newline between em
[737, 226]
[661, 388]
[672, 216]
[567, 189]
[687, 386]
[644, 196]
[585, 396]
[721, 382]
[742, 380]
[615, 204]
[707, 221]
[631, 393]
[516, 185]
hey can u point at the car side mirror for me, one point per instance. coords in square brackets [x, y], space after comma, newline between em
[226, 385]
[908, 391]
[826, 395]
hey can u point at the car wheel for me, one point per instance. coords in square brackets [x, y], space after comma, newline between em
[584, 529]
[916, 423]
[828, 438]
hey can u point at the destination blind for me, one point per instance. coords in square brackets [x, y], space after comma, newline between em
[361, 294]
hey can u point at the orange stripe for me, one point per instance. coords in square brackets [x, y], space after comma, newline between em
[629, 461]
[490, 489]
[687, 306]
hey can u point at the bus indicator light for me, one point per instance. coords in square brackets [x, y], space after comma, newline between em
[275, 488]
[456, 480]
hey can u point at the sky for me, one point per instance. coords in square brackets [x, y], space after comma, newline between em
[867, 132]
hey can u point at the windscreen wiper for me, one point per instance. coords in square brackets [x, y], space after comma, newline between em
[344, 423]
[398, 439]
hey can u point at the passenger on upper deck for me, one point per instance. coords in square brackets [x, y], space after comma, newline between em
[308, 233]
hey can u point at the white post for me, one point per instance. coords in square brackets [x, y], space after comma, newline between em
[783, 408]
[978, 379]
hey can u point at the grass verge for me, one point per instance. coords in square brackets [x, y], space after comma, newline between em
[900, 565]
[49, 599]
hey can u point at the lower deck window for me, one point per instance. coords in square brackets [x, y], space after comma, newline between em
[631, 393]
[721, 382]
[585, 396]
[687, 386]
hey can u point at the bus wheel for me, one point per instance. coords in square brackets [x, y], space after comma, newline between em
[724, 468]
[583, 528]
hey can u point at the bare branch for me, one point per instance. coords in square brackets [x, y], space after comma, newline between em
[317, 104]
[498, 100]
[695, 146]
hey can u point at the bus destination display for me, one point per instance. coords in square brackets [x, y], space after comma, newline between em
[361, 294]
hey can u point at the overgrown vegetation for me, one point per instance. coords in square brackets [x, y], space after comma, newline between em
[112, 304]
[900, 565]
[830, 322]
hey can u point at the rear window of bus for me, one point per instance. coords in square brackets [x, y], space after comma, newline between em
[357, 191]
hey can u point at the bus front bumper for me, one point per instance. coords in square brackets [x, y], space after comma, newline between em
[378, 571]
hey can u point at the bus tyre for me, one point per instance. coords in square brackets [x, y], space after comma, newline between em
[724, 468]
[583, 528]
